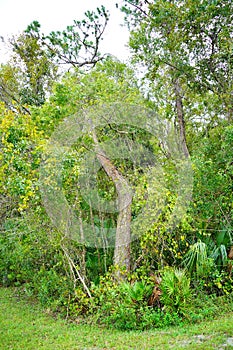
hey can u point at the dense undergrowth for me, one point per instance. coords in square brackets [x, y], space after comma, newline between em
[142, 300]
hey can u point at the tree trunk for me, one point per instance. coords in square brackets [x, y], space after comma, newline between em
[122, 245]
[180, 117]
[123, 235]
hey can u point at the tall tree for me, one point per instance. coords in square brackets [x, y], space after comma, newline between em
[184, 50]
[189, 43]
[37, 57]
[107, 83]
[10, 87]
[38, 72]
[79, 44]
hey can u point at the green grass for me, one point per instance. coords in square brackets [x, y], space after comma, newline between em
[24, 326]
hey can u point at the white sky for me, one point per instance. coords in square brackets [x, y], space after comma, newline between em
[16, 15]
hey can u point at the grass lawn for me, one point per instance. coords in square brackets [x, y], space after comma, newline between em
[25, 326]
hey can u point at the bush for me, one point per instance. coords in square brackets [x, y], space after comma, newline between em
[125, 306]
[176, 292]
[204, 306]
[31, 257]
[219, 283]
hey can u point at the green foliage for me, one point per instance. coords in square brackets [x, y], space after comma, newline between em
[21, 145]
[10, 85]
[204, 307]
[220, 283]
[175, 288]
[212, 195]
[37, 71]
[196, 260]
[216, 283]
[124, 317]
[125, 306]
[30, 256]
[78, 44]
[189, 40]
[139, 292]
[50, 286]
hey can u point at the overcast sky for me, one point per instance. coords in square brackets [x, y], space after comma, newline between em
[15, 15]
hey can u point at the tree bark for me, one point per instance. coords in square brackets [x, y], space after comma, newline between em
[123, 235]
[180, 117]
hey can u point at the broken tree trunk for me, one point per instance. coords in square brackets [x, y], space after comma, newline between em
[123, 237]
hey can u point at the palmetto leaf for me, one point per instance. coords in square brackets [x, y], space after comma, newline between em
[219, 254]
[196, 258]
[139, 291]
[175, 287]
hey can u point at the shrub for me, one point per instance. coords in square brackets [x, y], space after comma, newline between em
[32, 258]
[175, 288]
[125, 306]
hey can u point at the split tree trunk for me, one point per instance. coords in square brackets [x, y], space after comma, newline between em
[123, 236]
